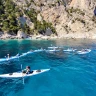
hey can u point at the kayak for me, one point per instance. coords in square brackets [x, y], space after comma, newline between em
[70, 50]
[53, 47]
[24, 54]
[38, 50]
[20, 74]
[11, 58]
[29, 52]
[85, 51]
[52, 50]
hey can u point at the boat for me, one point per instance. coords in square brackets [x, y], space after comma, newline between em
[52, 47]
[31, 51]
[52, 50]
[20, 74]
[38, 50]
[24, 54]
[84, 51]
[70, 50]
[11, 58]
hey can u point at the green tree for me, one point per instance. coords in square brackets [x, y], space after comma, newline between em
[5, 26]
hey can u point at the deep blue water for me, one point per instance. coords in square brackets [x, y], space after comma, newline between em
[70, 75]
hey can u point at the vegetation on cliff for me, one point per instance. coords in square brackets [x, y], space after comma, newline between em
[9, 19]
[63, 17]
[39, 26]
[8, 16]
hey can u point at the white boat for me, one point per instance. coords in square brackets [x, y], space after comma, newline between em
[11, 58]
[38, 50]
[85, 51]
[20, 74]
[70, 50]
[31, 51]
[24, 54]
[52, 47]
[52, 50]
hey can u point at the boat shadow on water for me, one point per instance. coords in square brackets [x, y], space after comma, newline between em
[56, 58]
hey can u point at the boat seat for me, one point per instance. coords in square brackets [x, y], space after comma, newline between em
[10, 73]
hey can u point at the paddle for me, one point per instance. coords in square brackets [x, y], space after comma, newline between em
[22, 74]
[21, 71]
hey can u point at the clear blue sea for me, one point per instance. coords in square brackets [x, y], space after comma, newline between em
[70, 75]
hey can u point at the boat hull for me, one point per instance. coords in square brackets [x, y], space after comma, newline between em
[20, 74]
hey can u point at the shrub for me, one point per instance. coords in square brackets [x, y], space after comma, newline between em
[94, 19]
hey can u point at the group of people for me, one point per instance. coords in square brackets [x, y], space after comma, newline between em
[25, 71]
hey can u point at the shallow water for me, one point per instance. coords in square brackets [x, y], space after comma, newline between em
[70, 75]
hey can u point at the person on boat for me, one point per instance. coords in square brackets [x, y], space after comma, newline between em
[84, 50]
[27, 70]
[8, 56]
[54, 49]
[42, 48]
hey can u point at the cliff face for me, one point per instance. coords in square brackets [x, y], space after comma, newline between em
[70, 18]
[83, 4]
[76, 21]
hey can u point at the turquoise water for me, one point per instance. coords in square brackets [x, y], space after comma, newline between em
[70, 75]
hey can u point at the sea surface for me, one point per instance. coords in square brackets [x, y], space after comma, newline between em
[70, 74]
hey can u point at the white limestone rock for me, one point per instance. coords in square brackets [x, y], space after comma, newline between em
[21, 34]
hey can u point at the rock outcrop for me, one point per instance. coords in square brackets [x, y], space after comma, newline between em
[21, 35]
[83, 4]
[39, 18]
[76, 20]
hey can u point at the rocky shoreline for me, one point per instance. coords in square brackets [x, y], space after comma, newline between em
[71, 35]
[76, 20]
[52, 37]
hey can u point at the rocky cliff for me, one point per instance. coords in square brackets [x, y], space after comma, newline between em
[68, 18]
[77, 20]
[71, 18]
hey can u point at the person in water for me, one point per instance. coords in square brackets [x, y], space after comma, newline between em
[27, 70]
